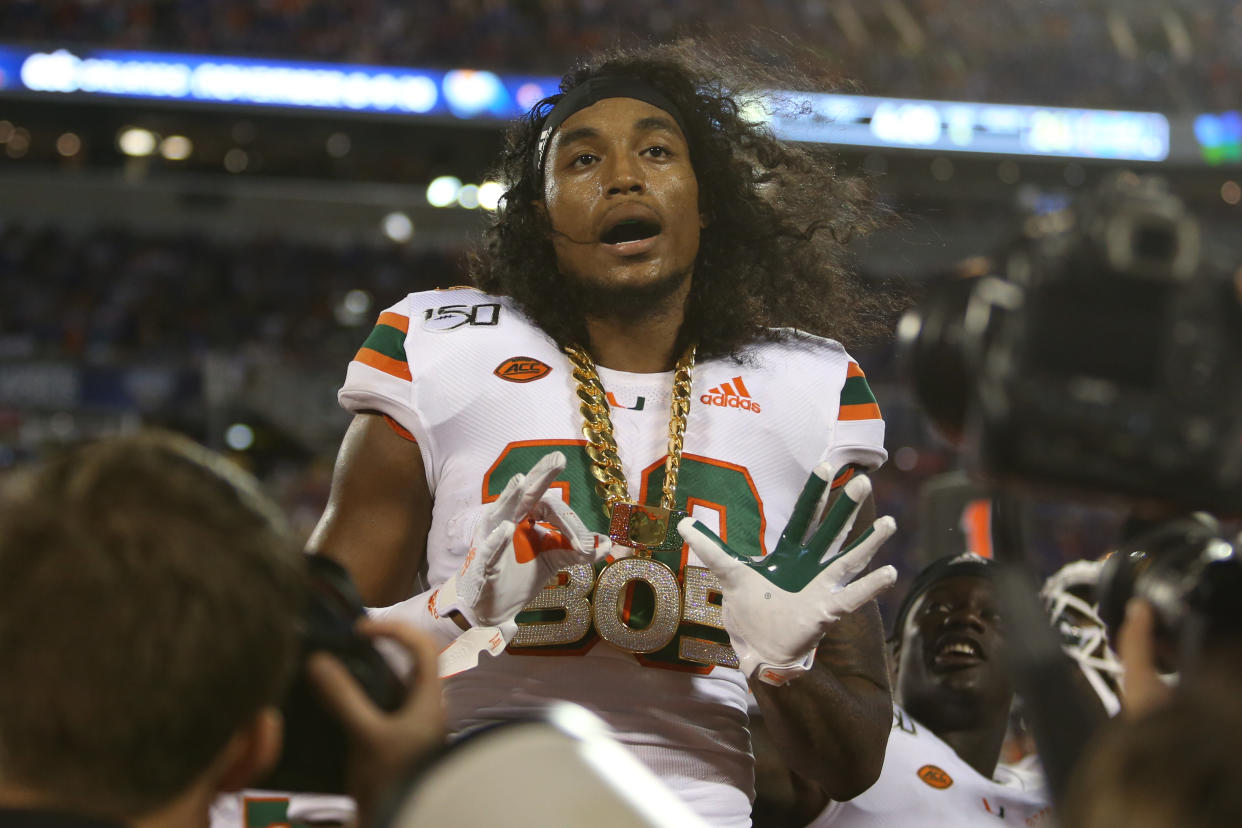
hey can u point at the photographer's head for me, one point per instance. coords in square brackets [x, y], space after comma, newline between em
[948, 648]
[149, 596]
[1177, 766]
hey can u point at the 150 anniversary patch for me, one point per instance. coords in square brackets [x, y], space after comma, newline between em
[452, 317]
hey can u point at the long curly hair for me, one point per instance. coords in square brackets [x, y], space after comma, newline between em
[779, 215]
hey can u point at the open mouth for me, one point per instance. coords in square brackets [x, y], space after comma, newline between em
[630, 230]
[957, 651]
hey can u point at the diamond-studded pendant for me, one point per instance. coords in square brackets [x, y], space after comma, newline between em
[643, 527]
[608, 606]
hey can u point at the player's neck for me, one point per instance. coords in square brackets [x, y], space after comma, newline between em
[978, 747]
[644, 346]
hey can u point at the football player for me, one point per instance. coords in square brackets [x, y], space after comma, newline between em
[953, 697]
[613, 457]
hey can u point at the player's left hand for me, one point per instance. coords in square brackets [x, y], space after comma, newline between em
[519, 542]
[777, 608]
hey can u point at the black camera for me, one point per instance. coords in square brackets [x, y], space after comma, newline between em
[1190, 575]
[1103, 358]
[313, 759]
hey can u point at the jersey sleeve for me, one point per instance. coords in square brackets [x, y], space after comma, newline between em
[858, 435]
[379, 377]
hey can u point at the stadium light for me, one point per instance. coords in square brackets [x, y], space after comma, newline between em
[442, 191]
[136, 142]
[337, 145]
[398, 227]
[490, 193]
[176, 148]
[468, 196]
[358, 300]
[471, 92]
[236, 160]
[842, 120]
[239, 437]
[18, 143]
[68, 144]
[354, 309]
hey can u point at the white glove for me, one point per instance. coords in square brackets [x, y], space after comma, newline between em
[777, 608]
[520, 541]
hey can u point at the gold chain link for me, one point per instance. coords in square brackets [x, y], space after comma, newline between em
[597, 429]
[678, 415]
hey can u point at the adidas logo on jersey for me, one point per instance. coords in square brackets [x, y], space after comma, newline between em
[730, 395]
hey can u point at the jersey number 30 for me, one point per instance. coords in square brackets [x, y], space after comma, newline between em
[666, 612]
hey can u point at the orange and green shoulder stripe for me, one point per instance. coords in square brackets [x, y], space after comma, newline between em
[857, 401]
[384, 349]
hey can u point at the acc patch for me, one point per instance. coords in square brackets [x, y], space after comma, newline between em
[936, 777]
[522, 369]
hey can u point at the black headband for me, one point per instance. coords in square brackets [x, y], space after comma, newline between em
[950, 566]
[593, 91]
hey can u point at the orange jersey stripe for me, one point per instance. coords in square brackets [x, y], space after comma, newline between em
[860, 411]
[400, 429]
[387, 364]
[854, 371]
[395, 320]
[977, 521]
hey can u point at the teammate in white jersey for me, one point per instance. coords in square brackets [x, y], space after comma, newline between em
[953, 697]
[651, 246]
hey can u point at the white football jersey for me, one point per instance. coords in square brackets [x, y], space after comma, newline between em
[925, 784]
[485, 394]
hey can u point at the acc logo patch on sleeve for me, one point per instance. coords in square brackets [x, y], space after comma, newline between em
[935, 776]
[522, 369]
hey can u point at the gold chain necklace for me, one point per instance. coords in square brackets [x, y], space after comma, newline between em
[645, 528]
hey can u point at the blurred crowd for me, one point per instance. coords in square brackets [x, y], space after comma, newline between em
[1170, 55]
[109, 294]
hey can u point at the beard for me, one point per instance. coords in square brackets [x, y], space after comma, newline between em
[626, 303]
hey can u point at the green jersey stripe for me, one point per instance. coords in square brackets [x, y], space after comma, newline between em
[388, 341]
[856, 392]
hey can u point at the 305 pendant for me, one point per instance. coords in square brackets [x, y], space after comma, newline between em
[645, 527]
[609, 609]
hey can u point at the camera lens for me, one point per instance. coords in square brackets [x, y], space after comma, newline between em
[1156, 243]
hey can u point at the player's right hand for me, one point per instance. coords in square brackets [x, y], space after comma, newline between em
[777, 608]
[519, 542]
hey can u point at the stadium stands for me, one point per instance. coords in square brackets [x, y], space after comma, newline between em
[1170, 55]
